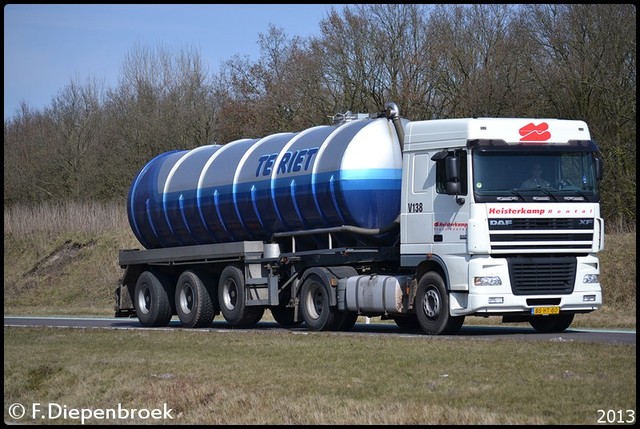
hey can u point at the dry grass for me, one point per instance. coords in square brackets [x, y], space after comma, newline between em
[257, 378]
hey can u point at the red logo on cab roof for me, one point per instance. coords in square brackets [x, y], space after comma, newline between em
[535, 133]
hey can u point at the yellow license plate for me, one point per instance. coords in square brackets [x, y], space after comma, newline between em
[537, 311]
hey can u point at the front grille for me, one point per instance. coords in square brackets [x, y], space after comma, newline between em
[547, 234]
[540, 223]
[542, 275]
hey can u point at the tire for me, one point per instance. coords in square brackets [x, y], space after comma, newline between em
[551, 324]
[347, 321]
[252, 316]
[432, 307]
[194, 304]
[153, 299]
[231, 298]
[408, 322]
[284, 316]
[314, 306]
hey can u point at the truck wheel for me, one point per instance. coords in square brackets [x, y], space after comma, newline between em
[408, 322]
[432, 307]
[552, 323]
[314, 305]
[231, 298]
[347, 321]
[193, 299]
[153, 298]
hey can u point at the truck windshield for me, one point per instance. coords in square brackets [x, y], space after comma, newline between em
[534, 176]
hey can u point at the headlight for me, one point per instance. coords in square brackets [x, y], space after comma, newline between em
[487, 281]
[591, 278]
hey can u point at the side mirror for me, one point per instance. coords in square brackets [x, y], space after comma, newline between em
[598, 161]
[452, 166]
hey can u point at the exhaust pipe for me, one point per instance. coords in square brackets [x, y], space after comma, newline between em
[393, 112]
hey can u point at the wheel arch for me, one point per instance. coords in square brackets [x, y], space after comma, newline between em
[434, 264]
[330, 277]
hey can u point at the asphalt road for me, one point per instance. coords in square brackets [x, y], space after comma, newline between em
[493, 332]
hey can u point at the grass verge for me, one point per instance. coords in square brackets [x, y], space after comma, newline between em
[297, 378]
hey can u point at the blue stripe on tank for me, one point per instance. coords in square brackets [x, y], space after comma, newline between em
[383, 178]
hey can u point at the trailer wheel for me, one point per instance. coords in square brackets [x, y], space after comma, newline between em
[284, 316]
[551, 324]
[432, 307]
[153, 298]
[231, 298]
[314, 305]
[194, 303]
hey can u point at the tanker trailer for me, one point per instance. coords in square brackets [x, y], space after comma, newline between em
[421, 222]
[231, 228]
[247, 190]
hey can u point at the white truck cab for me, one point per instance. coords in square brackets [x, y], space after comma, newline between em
[501, 247]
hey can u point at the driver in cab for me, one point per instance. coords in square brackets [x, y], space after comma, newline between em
[535, 180]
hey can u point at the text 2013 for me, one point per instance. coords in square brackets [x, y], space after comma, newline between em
[617, 416]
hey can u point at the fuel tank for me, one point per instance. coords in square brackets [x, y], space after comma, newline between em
[323, 177]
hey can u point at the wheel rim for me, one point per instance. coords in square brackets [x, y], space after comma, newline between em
[314, 302]
[144, 299]
[230, 296]
[186, 299]
[431, 303]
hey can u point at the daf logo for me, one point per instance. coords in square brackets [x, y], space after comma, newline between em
[500, 222]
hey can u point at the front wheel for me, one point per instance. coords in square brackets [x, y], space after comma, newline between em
[407, 322]
[551, 324]
[432, 307]
[347, 320]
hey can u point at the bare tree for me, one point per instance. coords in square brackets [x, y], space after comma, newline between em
[27, 172]
[76, 118]
[586, 68]
[282, 91]
[163, 102]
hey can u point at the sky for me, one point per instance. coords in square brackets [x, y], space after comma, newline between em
[46, 47]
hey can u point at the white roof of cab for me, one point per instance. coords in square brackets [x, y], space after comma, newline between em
[456, 132]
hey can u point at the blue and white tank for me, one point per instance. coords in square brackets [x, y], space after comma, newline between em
[325, 176]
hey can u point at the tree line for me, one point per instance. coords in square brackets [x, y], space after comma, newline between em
[433, 61]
